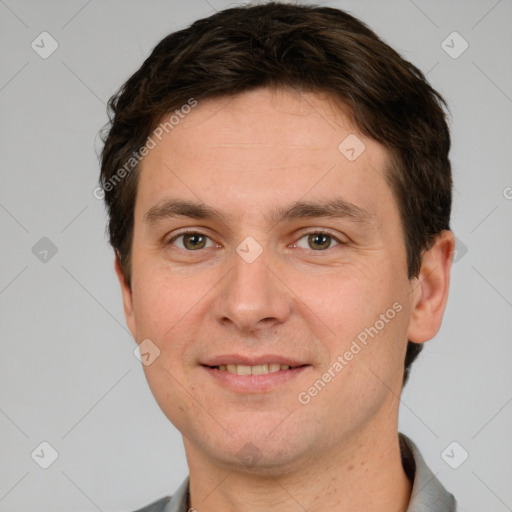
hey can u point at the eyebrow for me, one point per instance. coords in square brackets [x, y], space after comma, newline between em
[335, 208]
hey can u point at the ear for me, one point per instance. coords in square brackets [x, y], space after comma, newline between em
[430, 289]
[127, 298]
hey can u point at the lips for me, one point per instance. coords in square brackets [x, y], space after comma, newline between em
[252, 361]
[259, 369]
[253, 374]
[244, 365]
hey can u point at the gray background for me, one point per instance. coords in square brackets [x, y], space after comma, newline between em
[67, 372]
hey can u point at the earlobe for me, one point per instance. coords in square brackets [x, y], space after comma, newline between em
[430, 289]
[127, 297]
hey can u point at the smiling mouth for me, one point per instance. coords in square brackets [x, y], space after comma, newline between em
[260, 369]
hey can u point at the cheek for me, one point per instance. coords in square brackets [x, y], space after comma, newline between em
[169, 392]
[162, 301]
[363, 304]
[346, 299]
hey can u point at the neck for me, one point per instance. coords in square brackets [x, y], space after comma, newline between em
[365, 474]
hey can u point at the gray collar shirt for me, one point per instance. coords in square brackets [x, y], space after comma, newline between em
[428, 494]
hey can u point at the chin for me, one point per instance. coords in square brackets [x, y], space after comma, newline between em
[267, 445]
[268, 459]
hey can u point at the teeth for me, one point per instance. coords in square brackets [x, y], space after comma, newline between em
[260, 369]
[241, 369]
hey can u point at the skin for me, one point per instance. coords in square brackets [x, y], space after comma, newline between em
[245, 156]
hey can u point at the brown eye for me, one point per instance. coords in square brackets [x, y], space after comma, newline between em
[194, 241]
[318, 241]
[191, 241]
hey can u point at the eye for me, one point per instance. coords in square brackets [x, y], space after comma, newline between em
[191, 241]
[194, 240]
[318, 241]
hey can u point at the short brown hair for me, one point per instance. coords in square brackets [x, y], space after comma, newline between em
[308, 48]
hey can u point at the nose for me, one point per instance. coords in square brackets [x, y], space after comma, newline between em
[252, 296]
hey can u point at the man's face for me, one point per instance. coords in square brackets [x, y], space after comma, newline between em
[263, 284]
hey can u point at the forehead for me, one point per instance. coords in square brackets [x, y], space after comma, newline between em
[254, 121]
[264, 147]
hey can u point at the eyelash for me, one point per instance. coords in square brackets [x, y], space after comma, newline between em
[304, 234]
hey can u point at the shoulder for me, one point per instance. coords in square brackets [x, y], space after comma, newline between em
[427, 491]
[178, 502]
[156, 506]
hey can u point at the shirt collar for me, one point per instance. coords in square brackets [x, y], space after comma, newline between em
[428, 494]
